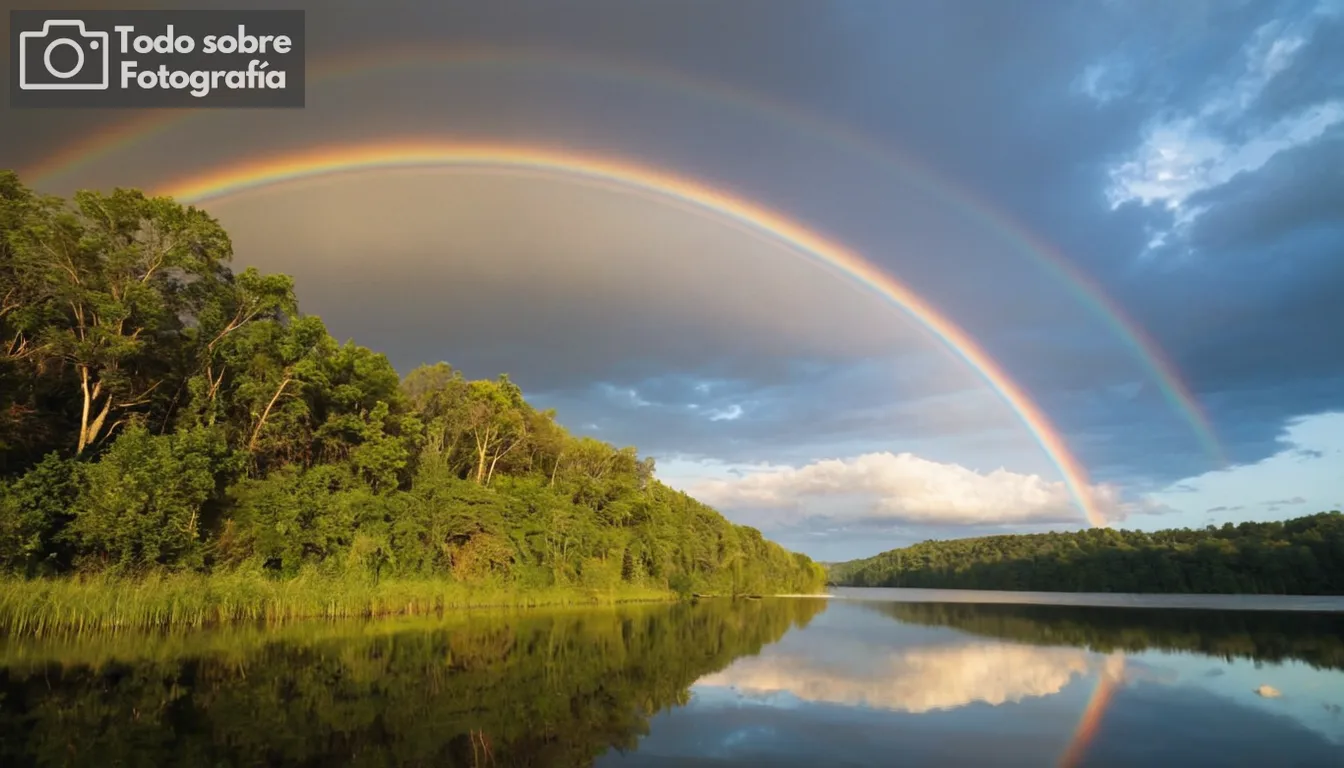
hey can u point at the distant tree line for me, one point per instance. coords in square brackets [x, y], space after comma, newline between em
[161, 413]
[1304, 556]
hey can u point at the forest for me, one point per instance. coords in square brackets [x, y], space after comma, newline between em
[1304, 556]
[167, 421]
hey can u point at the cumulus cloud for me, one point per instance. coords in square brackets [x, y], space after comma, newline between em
[915, 680]
[907, 488]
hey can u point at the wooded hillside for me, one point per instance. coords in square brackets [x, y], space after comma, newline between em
[160, 413]
[1304, 556]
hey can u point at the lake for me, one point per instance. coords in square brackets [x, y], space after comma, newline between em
[867, 677]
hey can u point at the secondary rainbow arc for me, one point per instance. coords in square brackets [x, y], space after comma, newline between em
[254, 174]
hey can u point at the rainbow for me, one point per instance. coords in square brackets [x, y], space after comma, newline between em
[1108, 679]
[1142, 348]
[255, 174]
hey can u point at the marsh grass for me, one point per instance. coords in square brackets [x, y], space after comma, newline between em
[44, 607]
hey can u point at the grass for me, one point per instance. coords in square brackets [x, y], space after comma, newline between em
[43, 607]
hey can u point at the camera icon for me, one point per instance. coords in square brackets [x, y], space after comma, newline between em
[44, 56]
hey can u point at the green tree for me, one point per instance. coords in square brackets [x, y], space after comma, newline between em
[141, 503]
[109, 279]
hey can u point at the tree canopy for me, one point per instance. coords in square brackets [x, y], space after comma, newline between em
[159, 412]
[1304, 556]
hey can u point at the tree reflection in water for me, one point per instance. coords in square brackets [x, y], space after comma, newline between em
[556, 688]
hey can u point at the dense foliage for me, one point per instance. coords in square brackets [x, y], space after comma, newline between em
[546, 689]
[1304, 556]
[1263, 636]
[160, 413]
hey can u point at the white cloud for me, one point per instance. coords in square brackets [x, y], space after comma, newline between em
[916, 680]
[731, 413]
[904, 487]
[1181, 157]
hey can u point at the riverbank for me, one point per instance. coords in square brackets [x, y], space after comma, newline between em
[1213, 602]
[40, 607]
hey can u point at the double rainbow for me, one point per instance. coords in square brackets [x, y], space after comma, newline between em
[1085, 291]
[254, 174]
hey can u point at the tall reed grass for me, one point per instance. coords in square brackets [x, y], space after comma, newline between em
[79, 605]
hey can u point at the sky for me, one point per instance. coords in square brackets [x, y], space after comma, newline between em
[1133, 210]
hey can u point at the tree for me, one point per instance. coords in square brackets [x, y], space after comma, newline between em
[229, 304]
[109, 280]
[193, 418]
[495, 423]
[283, 362]
[141, 503]
[34, 514]
[438, 395]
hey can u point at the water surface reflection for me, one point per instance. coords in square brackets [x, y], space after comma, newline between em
[1005, 684]
[750, 682]
[545, 688]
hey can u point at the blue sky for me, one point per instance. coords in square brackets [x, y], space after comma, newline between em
[1183, 156]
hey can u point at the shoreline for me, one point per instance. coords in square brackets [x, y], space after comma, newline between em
[47, 607]
[1213, 601]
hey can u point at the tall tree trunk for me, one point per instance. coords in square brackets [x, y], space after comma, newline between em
[89, 430]
[261, 422]
[489, 475]
[483, 441]
[97, 426]
[84, 417]
[556, 468]
[480, 466]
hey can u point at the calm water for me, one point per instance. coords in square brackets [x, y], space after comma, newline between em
[876, 677]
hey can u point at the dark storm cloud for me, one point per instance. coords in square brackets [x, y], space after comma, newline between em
[1299, 191]
[989, 94]
[1315, 75]
[558, 285]
[1263, 342]
[1250, 325]
[1015, 93]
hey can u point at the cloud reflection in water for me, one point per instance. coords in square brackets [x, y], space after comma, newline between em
[913, 680]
